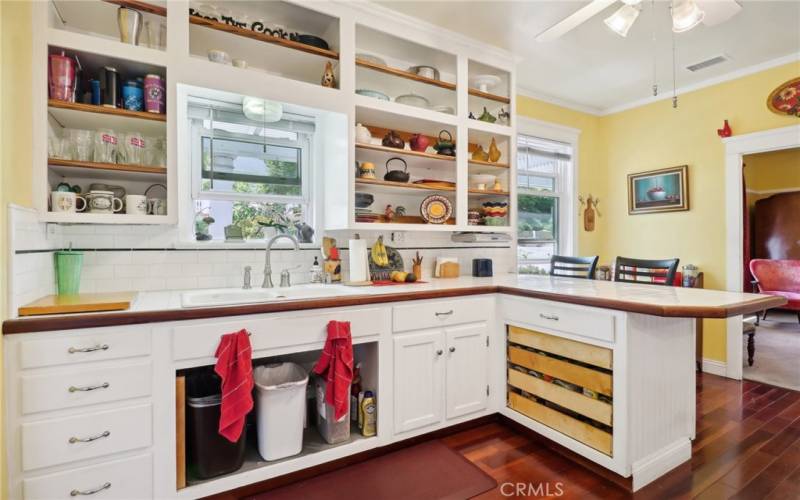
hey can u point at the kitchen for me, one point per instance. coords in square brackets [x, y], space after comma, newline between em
[291, 178]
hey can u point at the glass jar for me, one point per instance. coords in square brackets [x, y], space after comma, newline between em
[690, 273]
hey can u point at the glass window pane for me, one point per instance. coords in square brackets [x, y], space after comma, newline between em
[537, 217]
[536, 182]
[256, 220]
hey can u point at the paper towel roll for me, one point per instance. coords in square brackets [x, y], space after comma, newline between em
[359, 268]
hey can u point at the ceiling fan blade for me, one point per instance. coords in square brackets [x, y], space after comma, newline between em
[573, 21]
[718, 11]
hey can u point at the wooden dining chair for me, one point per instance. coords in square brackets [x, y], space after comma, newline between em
[646, 271]
[573, 267]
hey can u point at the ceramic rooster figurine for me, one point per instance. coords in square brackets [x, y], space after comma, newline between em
[725, 131]
[479, 154]
[494, 152]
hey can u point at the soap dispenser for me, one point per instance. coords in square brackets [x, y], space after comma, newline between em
[316, 272]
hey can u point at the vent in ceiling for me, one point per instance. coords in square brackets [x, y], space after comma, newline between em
[708, 63]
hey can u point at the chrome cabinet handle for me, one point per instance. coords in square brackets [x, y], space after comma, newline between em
[96, 347]
[452, 349]
[89, 439]
[87, 388]
[439, 352]
[446, 313]
[548, 316]
[75, 493]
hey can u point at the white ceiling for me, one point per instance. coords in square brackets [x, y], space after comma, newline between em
[596, 69]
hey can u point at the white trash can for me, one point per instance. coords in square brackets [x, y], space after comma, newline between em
[281, 406]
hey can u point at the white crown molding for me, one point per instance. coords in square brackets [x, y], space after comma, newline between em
[591, 110]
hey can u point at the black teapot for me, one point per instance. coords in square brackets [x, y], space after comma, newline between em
[445, 147]
[393, 140]
[397, 175]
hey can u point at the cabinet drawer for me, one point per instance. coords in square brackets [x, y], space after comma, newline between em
[421, 315]
[95, 345]
[201, 340]
[572, 427]
[118, 480]
[578, 320]
[64, 440]
[77, 388]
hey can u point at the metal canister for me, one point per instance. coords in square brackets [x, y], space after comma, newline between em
[155, 99]
[132, 96]
[109, 83]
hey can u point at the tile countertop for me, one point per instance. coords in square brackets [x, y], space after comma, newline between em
[645, 299]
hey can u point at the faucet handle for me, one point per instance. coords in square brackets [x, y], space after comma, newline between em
[246, 285]
[286, 277]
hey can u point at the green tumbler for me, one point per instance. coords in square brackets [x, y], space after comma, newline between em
[68, 271]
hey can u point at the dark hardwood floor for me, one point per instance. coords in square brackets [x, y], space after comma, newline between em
[747, 447]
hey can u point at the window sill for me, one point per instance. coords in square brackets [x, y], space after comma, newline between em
[246, 245]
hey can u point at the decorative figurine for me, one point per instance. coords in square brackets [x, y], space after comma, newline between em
[202, 223]
[389, 213]
[494, 152]
[479, 154]
[590, 211]
[725, 131]
[329, 78]
[487, 117]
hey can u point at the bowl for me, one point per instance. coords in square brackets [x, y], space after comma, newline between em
[370, 58]
[475, 180]
[219, 56]
[443, 108]
[413, 100]
[364, 200]
[373, 93]
[240, 63]
[657, 195]
[314, 41]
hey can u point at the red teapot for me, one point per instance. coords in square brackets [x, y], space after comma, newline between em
[419, 142]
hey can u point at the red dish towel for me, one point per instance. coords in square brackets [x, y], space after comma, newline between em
[337, 364]
[234, 365]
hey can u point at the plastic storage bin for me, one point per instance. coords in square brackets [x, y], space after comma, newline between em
[332, 431]
[210, 454]
[281, 406]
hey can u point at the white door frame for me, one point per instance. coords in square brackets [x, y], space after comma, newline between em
[735, 149]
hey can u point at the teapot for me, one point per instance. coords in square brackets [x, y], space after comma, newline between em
[445, 147]
[487, 117]
[397, 175]
[393, 140]
[419, 142]
[362, 134]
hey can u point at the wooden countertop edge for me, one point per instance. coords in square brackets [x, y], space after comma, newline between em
[95, 320]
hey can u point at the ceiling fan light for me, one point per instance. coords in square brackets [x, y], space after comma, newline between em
[685, 15]
[621, 21]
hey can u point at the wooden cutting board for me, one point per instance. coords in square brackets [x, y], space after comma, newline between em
[80, 303]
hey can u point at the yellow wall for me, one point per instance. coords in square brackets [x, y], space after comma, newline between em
[773, 170]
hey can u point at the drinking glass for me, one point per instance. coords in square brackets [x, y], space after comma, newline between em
[81, 142]
[105, 146]
[132, 149]
[58, 147]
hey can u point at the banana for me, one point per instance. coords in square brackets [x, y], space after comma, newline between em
[379, 255]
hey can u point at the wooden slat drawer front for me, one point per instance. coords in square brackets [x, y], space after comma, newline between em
[579, 351]
[584, 321]
[580, 431]
[201, 340]
[96, 345]
[85, 387]
[568, 372]
[64, 440]
[586, 406]
[422, 315]
[127, 479]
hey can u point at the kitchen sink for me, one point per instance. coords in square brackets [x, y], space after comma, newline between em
[233, 296]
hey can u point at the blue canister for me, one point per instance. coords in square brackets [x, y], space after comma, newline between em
[132, 96]
[95, 85]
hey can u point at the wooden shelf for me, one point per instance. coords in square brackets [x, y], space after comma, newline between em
[140, 6]
[91, 108]
[110, 167]
[488, 192]
[409, 219]
[404, 152]
[254, 35]
[404, 74]
[491, 97]
[488, 163]
[401, 185]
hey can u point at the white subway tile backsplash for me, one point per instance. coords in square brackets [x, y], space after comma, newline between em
[181, 283]
[214, 282]
[131, 270]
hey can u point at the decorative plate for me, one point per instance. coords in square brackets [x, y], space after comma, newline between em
[785, 100]
[436, 209]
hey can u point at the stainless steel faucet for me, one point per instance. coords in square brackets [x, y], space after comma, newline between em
[268, 267]
[246, 284]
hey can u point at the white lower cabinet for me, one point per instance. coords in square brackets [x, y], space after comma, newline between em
[440, 373]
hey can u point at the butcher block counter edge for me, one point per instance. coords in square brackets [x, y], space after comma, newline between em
[93, 320]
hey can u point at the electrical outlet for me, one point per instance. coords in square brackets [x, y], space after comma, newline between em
[398, 237]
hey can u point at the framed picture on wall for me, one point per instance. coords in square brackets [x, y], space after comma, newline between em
[664, 190]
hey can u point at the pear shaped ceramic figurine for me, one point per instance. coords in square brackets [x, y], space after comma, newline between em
[479, 154]
[328, 77]
[494, 152]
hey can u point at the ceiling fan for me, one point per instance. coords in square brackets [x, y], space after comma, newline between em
[686, 14]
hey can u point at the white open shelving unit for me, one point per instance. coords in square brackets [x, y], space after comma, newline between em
[287, 71]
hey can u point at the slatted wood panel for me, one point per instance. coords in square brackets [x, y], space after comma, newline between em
[575, 401]
[580, 431]
[584, 377]
[180, 432]
[579, 351]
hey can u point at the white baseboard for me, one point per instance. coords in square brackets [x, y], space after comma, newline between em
[657, 464]
[715, 367]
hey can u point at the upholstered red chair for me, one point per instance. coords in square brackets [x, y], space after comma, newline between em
[778, 277]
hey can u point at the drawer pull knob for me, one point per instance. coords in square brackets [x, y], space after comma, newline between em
[439, 352]
[452, 349]
[75, 493]
[89, 439]
[446, 313]
[548, 316]
[96, 347]
[87, 388]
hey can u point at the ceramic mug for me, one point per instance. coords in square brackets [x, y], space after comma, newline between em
[156, 206]
[66, 202]
[103, 202]
[136, 204]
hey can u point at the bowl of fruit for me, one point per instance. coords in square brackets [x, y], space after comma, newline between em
[657, 194]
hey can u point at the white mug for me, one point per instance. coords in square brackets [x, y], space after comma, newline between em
[156, 206]
[66, 201]
[136, 204]
[103, 202]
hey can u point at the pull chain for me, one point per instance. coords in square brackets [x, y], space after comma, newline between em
[655, 52]
[674, 77]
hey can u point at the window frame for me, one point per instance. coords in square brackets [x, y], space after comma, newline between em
[566, 196]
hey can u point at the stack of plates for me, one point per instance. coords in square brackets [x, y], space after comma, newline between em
[365, 215]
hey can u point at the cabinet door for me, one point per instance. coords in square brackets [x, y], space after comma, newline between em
[418, 376]
[467, 369]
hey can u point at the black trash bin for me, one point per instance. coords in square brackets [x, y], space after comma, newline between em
[210, 454]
